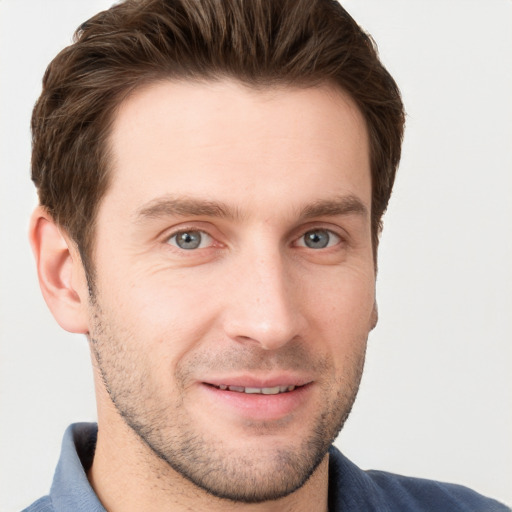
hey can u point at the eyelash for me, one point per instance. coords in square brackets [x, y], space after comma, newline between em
[330, 234]
[203, 235]
[209, 239]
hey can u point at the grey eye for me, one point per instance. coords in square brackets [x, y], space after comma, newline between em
[189, 240]
[319, 239]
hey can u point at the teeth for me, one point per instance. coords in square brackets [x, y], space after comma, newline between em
[270, 391]
[260, 391]
[253, 391]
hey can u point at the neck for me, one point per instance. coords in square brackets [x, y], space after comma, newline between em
[127, 476]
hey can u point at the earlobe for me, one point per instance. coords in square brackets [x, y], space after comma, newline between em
[60, 272]
[374, 317]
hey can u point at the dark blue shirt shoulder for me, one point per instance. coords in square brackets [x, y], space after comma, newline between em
[352, 489]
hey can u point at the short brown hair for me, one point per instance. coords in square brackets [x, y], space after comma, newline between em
[300, 43]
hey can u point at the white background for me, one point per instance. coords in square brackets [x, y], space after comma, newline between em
[436, 398]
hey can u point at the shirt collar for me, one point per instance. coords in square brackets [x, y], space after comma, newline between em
[70, 488]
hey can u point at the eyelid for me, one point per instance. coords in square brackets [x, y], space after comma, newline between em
[205, 228]
[329, 227]
[206, 238]
[299, 242]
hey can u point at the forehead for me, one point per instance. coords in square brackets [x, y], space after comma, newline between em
[223, 140]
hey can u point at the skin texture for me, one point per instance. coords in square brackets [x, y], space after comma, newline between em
[269, 192]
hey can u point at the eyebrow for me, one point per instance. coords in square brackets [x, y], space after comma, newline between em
[175, 206]
[344, 205]
[169, 206]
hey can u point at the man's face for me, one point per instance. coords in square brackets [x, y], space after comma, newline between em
[235, 279]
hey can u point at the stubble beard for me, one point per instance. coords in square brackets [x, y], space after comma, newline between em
[251, 475]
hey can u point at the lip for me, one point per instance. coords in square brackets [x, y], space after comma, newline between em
[251, 381]
[258, 407]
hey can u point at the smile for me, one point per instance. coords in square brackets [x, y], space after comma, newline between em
[257, 391]
[244, 398]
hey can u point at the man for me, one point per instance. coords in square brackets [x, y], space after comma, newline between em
[212, 178]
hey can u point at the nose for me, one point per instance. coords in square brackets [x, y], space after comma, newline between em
[264, 302]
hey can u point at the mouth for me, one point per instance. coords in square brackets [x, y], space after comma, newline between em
[275, 390]
[257, 400]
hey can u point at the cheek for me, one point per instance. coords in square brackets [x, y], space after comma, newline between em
[343, 314]
[167, 314]
[344, 300]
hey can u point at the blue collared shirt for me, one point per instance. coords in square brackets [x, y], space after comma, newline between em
[71, 491]
[350, 488]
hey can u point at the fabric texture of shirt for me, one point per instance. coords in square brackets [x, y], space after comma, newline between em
[350, 488]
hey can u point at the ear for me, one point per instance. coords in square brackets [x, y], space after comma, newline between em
[60, 272]
[374, 318]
